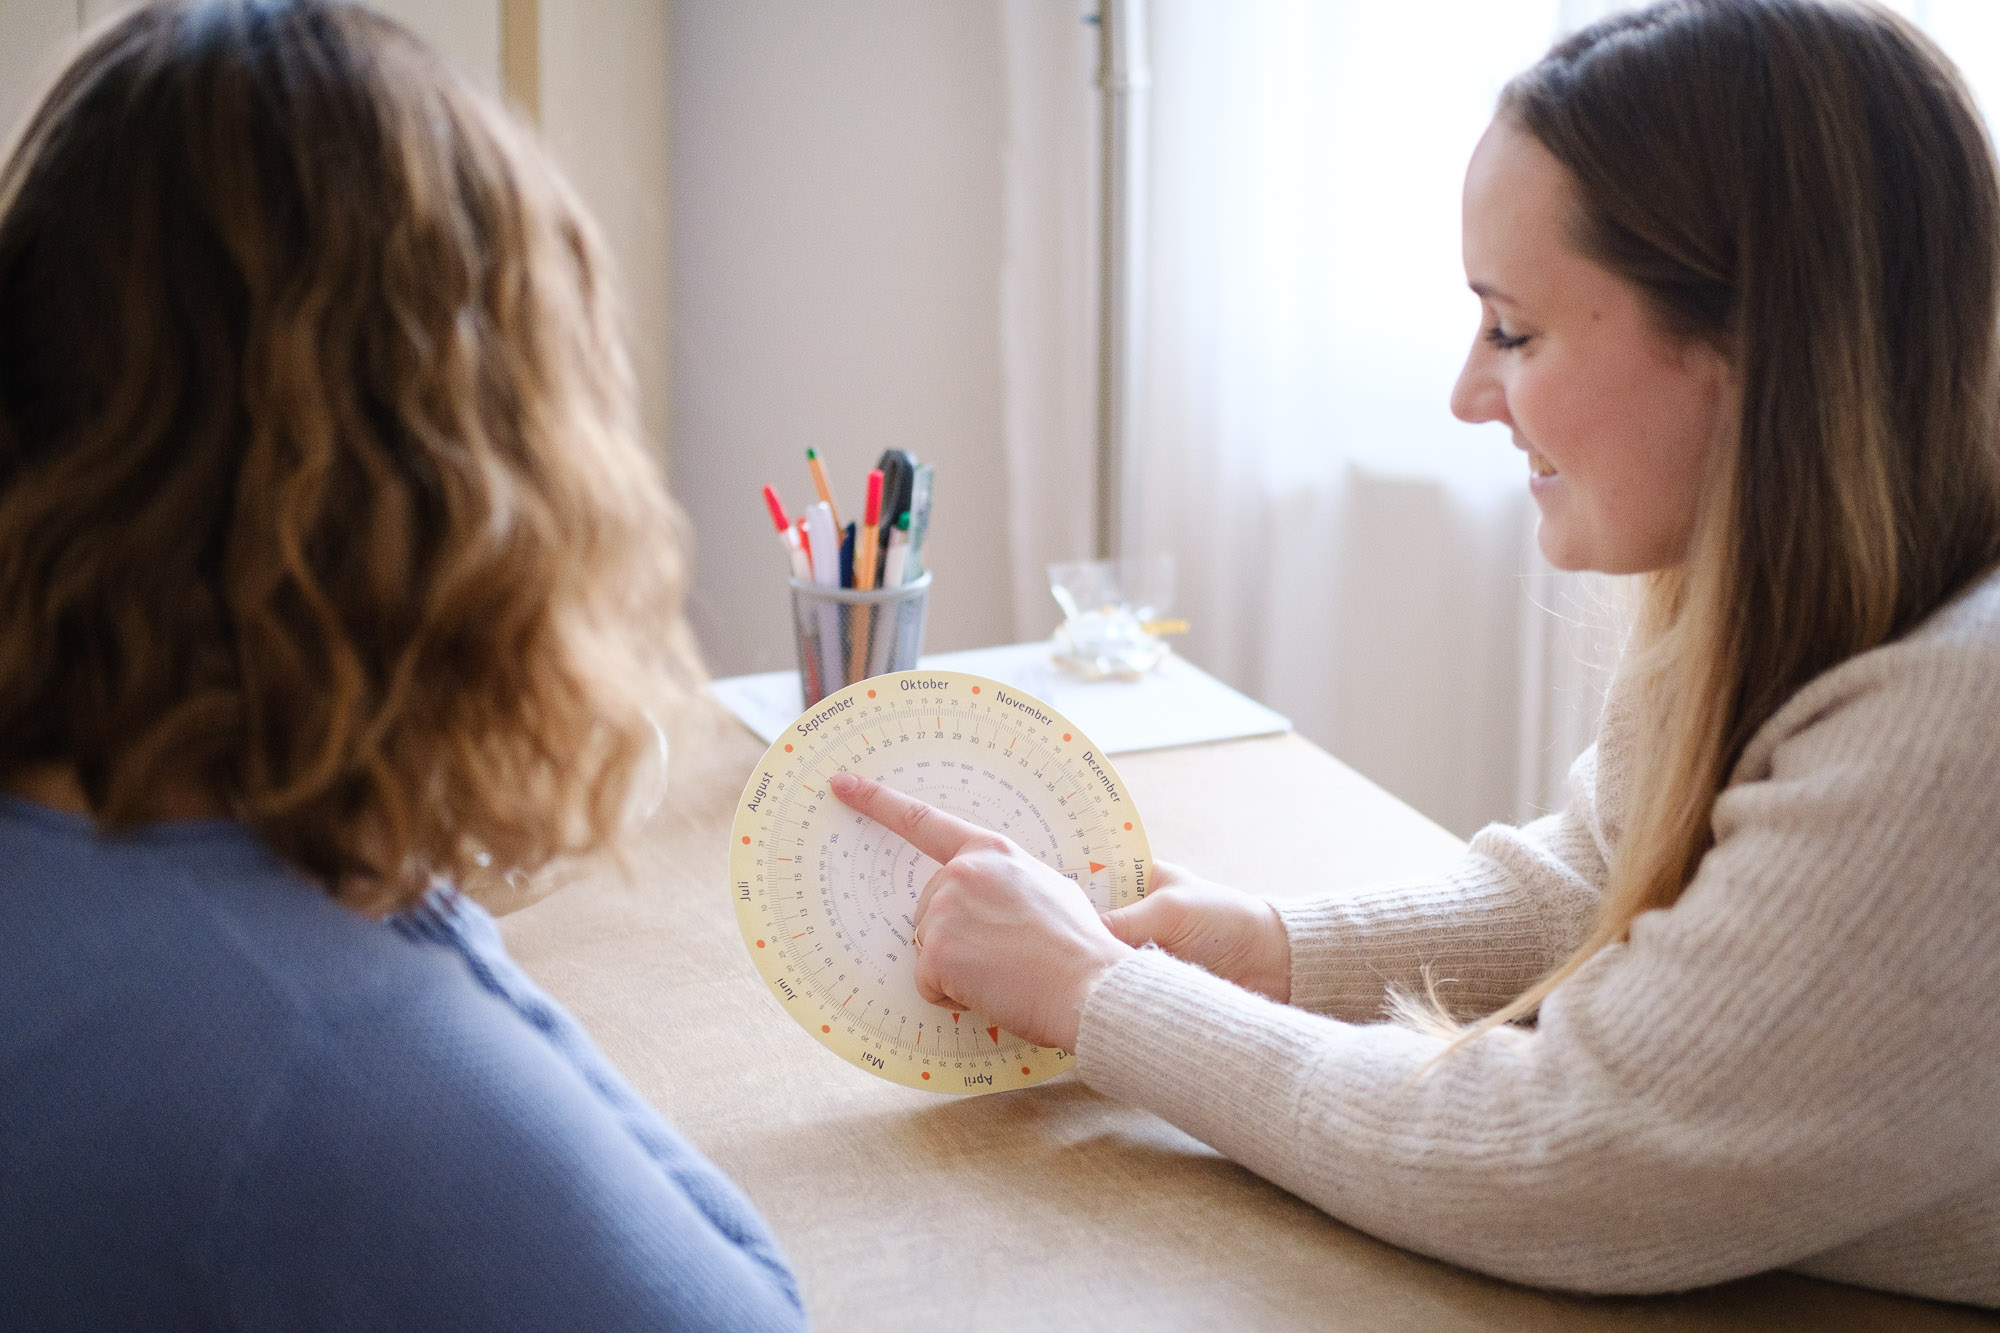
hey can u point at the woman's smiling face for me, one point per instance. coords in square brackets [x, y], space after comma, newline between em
[1619, 420]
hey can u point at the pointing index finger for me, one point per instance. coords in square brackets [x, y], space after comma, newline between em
[938, 835]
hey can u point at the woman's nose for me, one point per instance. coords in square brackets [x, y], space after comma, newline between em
[1478, 397]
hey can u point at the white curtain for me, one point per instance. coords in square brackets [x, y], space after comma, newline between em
[1048, 295]
[1347, 552]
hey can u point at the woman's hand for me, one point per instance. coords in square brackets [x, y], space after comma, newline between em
[1234, 935]
[998, 932]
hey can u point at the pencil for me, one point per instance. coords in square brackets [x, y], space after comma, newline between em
[866, 549]
[861, 625]
[819, 484]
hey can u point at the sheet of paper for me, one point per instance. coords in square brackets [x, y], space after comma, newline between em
[1176, 704]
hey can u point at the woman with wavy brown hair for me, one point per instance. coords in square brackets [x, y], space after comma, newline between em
[332, 572]
[1739, 264]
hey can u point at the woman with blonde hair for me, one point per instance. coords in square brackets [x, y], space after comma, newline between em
[1738, 1006]
[332, 572]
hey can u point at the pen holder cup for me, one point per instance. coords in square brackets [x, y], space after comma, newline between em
[844, 635]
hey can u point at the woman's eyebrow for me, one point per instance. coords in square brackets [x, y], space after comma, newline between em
[1488, 292]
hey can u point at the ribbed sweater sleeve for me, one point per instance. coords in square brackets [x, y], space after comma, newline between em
[1519, 903]
[1793, 1066]
[1515, 906]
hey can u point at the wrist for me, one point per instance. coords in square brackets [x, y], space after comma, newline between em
[1277, 955]
[1096, 968]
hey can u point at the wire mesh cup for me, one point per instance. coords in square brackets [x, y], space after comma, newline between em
[844, 635]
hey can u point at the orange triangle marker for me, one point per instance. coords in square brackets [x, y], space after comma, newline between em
[995, 1034]
[954, 1016]
[1095, 867]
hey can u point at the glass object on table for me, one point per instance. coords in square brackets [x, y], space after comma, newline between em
[1113, 615]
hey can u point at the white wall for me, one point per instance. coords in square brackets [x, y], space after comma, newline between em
[836, 221]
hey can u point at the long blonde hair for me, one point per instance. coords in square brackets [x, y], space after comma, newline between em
[320, 483]
[1809, 188]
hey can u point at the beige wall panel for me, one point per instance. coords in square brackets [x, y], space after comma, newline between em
[604, 116]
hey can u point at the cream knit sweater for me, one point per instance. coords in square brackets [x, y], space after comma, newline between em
[1796, 1066]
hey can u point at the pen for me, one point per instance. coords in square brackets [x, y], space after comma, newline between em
[920, 519]
[899, 552]
[790, 539]
[891, 627]
[864, 573]
[898, 467]
[826, 573]
[866, 548]
[825, 546]
[819, 484]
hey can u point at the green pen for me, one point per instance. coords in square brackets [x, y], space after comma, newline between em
[920, 521]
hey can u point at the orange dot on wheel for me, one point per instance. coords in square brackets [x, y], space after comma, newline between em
[927, 1073]
[871, 694]
[824, 1028]
[1025, 1069]
[760, 944]
[1128, 828]
[746, 840]
[1065, 735]
[975, 689]
[788, 749]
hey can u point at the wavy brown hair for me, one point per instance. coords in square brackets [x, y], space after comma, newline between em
[1809, 188]
[321, 492]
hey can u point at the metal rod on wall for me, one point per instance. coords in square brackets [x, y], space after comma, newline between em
[1122, 78]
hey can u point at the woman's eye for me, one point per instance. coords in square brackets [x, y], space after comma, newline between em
[1504, 340]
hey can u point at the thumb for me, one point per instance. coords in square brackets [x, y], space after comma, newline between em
[929, 986]
[1138, 923]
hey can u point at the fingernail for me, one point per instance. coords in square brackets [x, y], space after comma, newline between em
[843, 783]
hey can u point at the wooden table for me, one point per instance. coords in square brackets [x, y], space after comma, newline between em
[1050, 1207]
